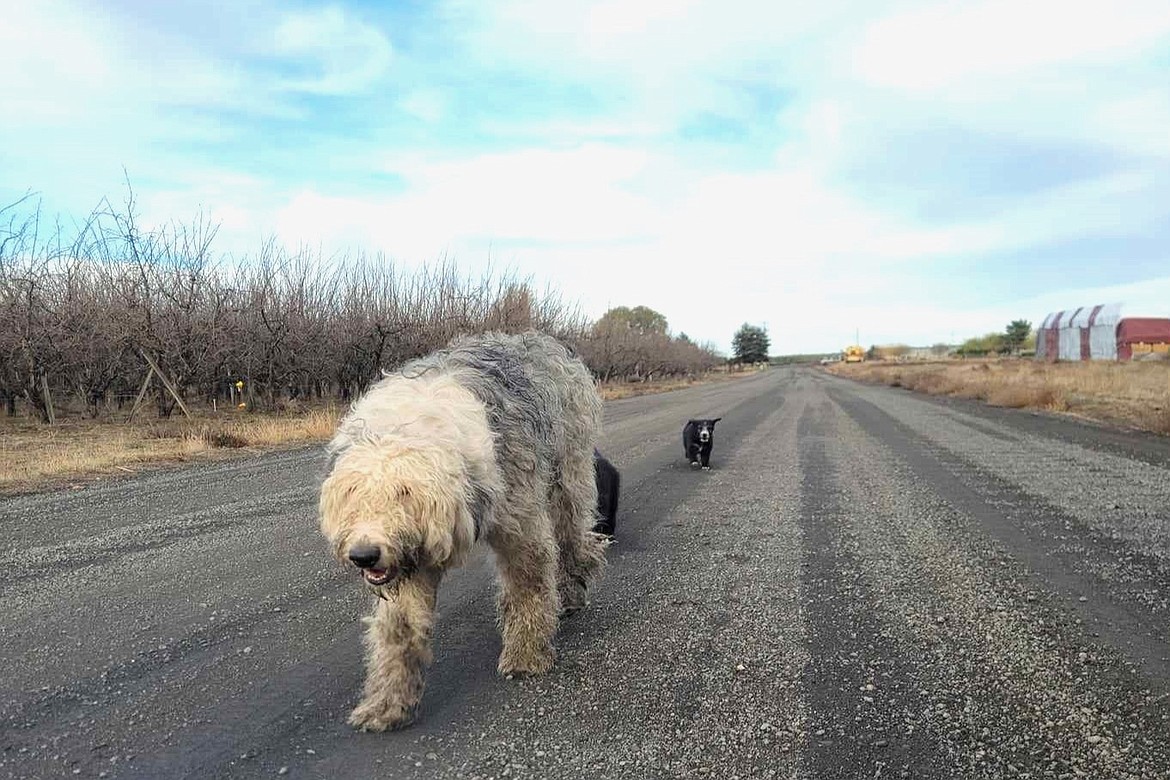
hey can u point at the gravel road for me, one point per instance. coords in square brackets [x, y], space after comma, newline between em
[868, 584]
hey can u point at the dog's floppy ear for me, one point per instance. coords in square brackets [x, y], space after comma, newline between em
[443, 516]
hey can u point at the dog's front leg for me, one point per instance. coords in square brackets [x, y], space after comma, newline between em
[398, 650]
[529, 601]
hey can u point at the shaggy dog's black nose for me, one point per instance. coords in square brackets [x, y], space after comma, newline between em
[365, 555]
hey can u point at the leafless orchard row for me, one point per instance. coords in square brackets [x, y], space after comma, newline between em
[82, 308]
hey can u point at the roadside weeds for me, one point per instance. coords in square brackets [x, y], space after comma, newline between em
[1131, 395]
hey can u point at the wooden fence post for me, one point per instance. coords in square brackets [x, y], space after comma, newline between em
[166, 382]
[141, 393]
[48, 399]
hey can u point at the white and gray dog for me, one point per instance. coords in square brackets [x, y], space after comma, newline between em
[491, 438]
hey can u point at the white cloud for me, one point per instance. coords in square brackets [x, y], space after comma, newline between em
[347, 55]
[533, 195]
[775, 245]
[772, 220]
[1147, 298]
[586, 196]
[429, 105]
[939, 46]
[237, 203]
[1135, 121]
[53, 58]
[669, 59]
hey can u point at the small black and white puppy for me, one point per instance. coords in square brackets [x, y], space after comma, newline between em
[698, 439]
[609, 482]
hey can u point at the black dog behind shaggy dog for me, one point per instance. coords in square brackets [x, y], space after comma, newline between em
[609, 482]
[698, 440]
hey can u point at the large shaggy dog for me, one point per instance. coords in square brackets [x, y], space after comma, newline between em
[491, 438]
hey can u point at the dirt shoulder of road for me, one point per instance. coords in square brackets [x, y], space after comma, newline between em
[1128, 395]
[76, 452]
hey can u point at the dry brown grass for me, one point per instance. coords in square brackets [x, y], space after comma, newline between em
[1130, 394]
[35, 456]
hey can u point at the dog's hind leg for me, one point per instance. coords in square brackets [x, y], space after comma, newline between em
[609, 485]
[529, 602]
[581, 552]
[398, 650]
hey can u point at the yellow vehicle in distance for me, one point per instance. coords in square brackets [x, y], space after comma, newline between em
[854, 354]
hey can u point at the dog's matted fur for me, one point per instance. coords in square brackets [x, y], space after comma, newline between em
[491, 438]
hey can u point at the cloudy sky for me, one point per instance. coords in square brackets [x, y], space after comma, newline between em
[918, 171]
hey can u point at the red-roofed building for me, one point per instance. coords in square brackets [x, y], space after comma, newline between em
[1102, 332]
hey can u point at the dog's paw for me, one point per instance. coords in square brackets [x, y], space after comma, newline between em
[706, 468]
[694, 463]
[602, 539]
[573, 599]
[530, 663]
[381, 716]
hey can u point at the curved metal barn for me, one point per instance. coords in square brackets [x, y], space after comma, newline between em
[1101, 332]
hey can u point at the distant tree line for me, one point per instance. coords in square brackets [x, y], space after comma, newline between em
[84, 312]
[1017, 337]
[635, 344]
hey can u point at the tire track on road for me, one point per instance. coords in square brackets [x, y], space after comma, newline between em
[861, 688]
[1106, 582]
[1015, 682]
[71, 557]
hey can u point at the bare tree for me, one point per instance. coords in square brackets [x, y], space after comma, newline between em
[82, 307]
